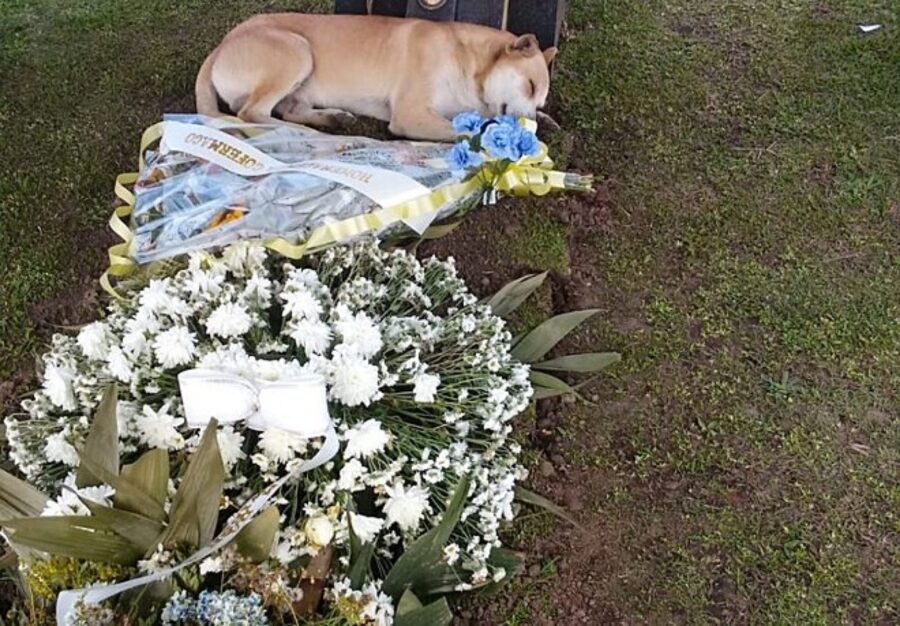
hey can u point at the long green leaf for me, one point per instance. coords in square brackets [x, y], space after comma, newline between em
[548, 386]
[18, 498]
[509, 561]
[582, 363]
[76, 536]
[142, 532]
[360, 559]
[129, 496]
[530, 497]
[256, 538]
[195, 507]
[542, 339]
[102, 443]
[150, 474]
[513, 294]
[410, 612]
[421, 567]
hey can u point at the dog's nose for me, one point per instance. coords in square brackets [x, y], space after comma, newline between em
[504, 108]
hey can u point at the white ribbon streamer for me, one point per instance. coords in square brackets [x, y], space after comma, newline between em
[197, 386]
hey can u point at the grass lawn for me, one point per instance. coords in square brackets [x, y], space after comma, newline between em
[741, 465]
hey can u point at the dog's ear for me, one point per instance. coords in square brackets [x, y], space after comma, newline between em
[526, 45]
[550, 54]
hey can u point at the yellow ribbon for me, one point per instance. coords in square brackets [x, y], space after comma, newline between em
[529, 176]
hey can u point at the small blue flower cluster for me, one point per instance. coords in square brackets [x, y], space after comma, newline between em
[213, 608]
[500, 137]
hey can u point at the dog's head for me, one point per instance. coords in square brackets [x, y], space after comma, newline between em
[519, 80]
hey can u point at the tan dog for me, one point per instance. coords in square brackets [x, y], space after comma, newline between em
[415, 74]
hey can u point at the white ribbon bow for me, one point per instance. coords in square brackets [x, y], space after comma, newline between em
[297, 405]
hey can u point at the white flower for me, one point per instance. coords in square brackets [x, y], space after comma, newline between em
[351, 472]
[319, 530]
[405, 507]
[311, 335]
[280, 446]
[69, 503]
[94, 340]
[451, 553]
[359, 332]
[58, 385]
[499, 574]
[243, 256]
[301, 304]
[365, 439]
[229, 320]
[174, 347]
[118, 365]
[426, 386]
[354, 380]
[366, 528]
[230, 444]
[159, 429]
[58, 450]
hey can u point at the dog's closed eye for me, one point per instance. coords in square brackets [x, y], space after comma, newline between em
[532, 88]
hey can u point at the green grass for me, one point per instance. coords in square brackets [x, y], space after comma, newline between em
[745, 461]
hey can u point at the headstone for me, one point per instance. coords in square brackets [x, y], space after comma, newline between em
[541, 17]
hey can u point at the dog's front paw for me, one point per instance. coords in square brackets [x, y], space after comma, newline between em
[342, 119]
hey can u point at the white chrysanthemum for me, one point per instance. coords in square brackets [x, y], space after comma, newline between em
[58, 385]
[58, 450]
[354, 381]
[351, 473]
[94, 340]
[280, 446]
[405, 506]
[311, 335]
[119, 366]
[69, 503]
[174, 347]
[244, 257]
[451, 553]
[301, 304]
[366, 528]
[366, 439]
[358, 332]
[159, 429]
[230, 446]
[426, 386]
[229, 320]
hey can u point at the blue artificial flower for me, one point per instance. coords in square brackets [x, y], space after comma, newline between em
[462, 157]
[508, 120]
[469, 122]
[500, 141]
[527, 143]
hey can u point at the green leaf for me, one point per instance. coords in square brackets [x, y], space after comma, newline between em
[142, 532]
[547, 386]
[195, 507]
[530, 497]
[582, 363]
[513, 294]
[129, 496]
[509, 561]
[102, 443]
[256, 538]
[542, 339]
[18, 498]
[360, 559]
[410, 612]
[149, 474]
[75, 536]
[421, 567]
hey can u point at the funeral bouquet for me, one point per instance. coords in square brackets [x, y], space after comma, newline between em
[206, 182]
[246, 439]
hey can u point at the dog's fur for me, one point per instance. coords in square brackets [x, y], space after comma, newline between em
[415, 74]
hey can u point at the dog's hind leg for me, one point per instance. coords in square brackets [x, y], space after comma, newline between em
[255, 71]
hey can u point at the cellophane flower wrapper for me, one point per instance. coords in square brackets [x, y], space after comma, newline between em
[185, 203]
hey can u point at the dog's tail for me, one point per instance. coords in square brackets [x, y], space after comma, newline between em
[205, 91]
